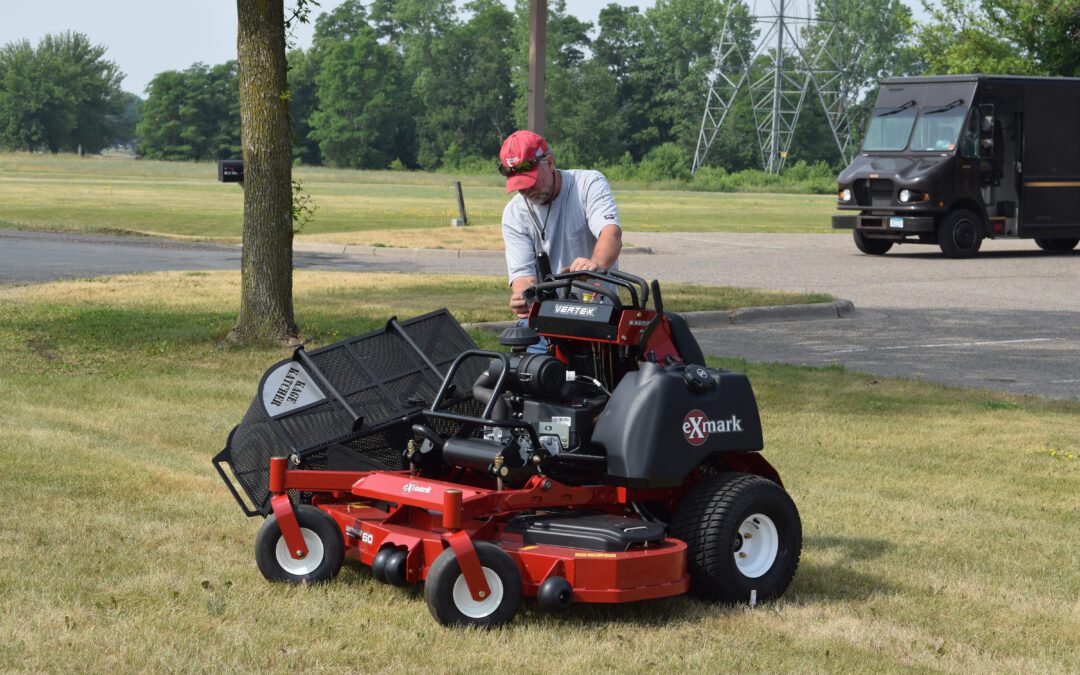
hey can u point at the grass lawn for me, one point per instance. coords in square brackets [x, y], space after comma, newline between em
[940, 523]
[110, 194]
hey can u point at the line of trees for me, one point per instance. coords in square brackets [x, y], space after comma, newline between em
[424, 83]
[63, 95]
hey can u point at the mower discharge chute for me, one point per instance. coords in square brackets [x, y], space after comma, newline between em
[613, 466]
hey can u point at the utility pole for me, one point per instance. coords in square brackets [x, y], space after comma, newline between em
[537, 64]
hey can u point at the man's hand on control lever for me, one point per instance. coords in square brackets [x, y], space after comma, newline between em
[518, 306]
[581, 264]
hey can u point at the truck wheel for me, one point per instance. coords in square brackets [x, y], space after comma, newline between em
[743, 537]
[326, 548]
[870, 246]
[1056, 245]
[960, 234]
[448, 596]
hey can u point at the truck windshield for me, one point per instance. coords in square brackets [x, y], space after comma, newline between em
[890, 128]
[938, 128]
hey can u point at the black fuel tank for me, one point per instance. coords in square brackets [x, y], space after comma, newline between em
[663, 421]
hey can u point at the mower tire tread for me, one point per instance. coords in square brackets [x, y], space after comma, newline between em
[708, 520]
[323, 537]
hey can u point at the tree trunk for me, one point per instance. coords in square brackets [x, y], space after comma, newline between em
[266, 307]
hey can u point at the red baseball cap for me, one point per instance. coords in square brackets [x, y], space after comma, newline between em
[522, 146]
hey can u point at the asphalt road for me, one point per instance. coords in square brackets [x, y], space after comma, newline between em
[1007, 320]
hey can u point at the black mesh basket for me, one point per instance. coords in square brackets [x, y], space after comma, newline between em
[347, 406]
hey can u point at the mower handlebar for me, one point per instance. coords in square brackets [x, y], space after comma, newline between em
[614, 277]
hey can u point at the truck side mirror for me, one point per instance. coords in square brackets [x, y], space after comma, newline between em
[986, 130]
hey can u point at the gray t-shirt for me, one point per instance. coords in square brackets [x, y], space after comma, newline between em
[582, 209]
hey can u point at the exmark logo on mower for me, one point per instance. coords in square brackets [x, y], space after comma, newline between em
[409, 488]
[697, 426]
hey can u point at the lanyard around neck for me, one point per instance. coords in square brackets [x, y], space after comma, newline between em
[542, 228]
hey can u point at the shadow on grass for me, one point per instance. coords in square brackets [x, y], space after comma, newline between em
[838, 581]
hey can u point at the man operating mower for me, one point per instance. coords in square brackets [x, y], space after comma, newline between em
[569, 215]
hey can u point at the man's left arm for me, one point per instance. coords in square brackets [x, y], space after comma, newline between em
[603, 220]
[605, 253]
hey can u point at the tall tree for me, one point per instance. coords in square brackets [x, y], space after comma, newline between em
[266, 299]
[470, 118]
[64, 94]
[192, 114]
[303, 101]
[362, 94]
[1018, 37]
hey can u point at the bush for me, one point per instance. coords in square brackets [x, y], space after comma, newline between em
[664, 162]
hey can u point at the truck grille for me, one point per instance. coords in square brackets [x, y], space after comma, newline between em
[873, 192]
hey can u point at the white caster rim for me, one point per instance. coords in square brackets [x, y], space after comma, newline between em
[473, 609]
[757, 545]
[308, 563]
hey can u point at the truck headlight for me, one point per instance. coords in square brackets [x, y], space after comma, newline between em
[845, 195]
[905, 196]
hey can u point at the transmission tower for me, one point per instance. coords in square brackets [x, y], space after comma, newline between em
[785, 59]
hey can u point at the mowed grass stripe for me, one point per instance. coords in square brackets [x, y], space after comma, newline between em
[939, 528]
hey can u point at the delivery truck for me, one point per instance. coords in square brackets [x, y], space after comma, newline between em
[953, 160]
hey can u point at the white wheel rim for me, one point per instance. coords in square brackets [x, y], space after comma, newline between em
[756, 545]
[463, 599]
[308, 563]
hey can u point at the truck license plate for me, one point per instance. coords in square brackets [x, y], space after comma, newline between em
[896, 223]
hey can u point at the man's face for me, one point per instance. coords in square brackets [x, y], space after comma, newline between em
[541, 191]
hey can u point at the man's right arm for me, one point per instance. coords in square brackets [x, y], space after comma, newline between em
[520, 259]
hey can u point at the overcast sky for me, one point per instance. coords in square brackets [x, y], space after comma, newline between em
[146, 37]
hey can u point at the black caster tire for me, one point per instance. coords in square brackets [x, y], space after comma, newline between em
[326, 549]
[378, 565]
[960, 234]
[870, 246]
[448, 596]
[396, 570]
[743, 537]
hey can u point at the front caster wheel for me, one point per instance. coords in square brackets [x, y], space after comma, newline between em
[326, 548]
[448, 596]
[743, 537]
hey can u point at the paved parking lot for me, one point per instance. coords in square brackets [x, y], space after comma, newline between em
[1007, 320]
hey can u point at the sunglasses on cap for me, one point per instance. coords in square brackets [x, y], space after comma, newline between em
[520, 167]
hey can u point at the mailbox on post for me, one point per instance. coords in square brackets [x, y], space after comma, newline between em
[230, 170]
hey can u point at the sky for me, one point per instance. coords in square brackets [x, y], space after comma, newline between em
[146, 37]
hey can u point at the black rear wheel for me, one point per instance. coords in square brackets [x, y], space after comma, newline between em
[1057, 245]
[870, 246]
[743, 537]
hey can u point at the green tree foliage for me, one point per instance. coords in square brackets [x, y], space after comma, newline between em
[464, 95]
[362, 94]
[303, 102]
[191, 114]
[1018, 37]
[63, 95]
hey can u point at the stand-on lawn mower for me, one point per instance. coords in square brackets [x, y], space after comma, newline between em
[613, 467]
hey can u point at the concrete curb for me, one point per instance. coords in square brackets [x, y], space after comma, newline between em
[817, 311]
[389, 251]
